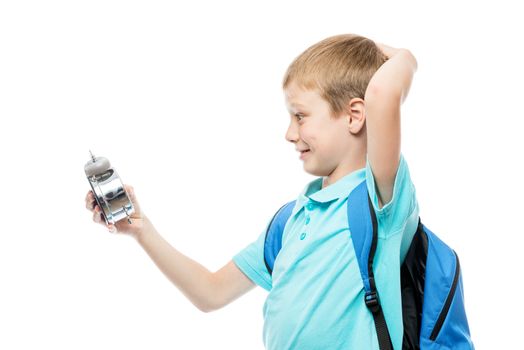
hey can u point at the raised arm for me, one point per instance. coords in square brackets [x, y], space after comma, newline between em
[386, 91]
[206, 290]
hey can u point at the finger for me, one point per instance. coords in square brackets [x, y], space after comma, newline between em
[90, 200]
[111, 228]
[97, 215]
[130, 191]
[132, 196]
[90, 205]
[90, 196]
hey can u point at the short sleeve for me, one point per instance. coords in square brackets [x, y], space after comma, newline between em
[402, 209]
[250, 261]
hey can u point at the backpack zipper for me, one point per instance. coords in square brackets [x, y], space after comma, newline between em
[447, 304]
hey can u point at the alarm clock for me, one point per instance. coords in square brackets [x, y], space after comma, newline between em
[108, 190]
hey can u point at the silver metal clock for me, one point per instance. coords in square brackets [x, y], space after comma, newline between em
[108, 189]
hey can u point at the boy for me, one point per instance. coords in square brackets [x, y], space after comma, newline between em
[344, 96]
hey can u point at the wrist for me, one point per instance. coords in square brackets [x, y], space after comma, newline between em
[144, 230]
[408, 56]
[387, 50]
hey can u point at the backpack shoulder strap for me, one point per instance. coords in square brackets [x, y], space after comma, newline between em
[364, 234]
[275, 229]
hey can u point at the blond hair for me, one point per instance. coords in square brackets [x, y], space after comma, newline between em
[340, 67]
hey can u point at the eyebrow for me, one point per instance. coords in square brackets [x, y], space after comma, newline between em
[297, 105]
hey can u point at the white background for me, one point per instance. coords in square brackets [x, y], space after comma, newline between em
[185, 101]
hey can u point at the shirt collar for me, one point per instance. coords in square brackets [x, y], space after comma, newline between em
[340, 189]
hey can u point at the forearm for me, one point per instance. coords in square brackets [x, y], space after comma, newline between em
[394, 76]
[191, 278]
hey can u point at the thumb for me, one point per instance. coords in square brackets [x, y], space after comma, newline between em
[132, 196]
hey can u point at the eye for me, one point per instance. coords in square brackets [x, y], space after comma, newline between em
[299, 116]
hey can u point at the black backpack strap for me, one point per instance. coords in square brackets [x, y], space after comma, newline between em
[364, 234]
[373, 304]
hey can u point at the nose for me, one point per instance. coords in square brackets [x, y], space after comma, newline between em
[292, 133]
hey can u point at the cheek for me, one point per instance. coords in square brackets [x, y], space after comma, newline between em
[324, 140]
[308, 135]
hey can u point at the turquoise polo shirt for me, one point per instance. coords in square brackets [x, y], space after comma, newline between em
[316, 294]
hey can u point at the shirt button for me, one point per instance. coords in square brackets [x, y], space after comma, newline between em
[308, 219]
[302, 236]
[310, 206]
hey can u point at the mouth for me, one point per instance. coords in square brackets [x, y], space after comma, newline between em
[303, 154]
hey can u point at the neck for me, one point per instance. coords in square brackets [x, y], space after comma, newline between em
[344, 169]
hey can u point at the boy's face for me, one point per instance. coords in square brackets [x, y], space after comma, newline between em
[314, 128]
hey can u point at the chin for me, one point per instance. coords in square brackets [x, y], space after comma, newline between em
[315, 171]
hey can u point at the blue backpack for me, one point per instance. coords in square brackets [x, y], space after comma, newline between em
[432, 294]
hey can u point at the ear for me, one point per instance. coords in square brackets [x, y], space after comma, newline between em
[356, 115]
